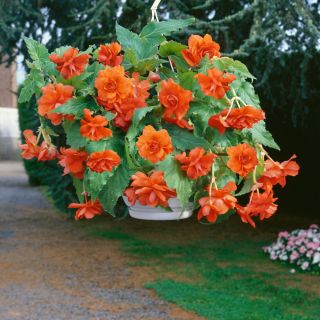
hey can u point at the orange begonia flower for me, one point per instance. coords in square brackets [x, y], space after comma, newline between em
[103, 161]
[198, 48]
[125, 109]
[113, 86]
[275, 172]
[109, 54]
[242, 159]
[262, 204]
[245, 214]
[197, 164]
[87, 210]
[220, 202]
[124, 104]
[71, 63]
[73, 161]
[215, 84]
[94, 127]
[149, 191]
[241, 118]
[30, 149]
[47, 152]
[176, 101]
[154, 145]
[52, 97]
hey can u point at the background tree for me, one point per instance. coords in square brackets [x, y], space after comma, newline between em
[279, 40]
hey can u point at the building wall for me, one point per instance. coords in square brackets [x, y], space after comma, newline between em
[9, 125]
[8, 86]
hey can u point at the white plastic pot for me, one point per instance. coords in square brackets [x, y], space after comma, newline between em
[139, 211]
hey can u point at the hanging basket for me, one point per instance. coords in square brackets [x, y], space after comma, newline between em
[177, 212]
[154, 120]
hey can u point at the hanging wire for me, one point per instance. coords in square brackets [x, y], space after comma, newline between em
[154, 7]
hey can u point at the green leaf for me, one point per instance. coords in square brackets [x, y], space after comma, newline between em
[139, 114]
[180, 63]
[61, 50]
[74, 138]
[51, 132]
[130, 40]
[187, 80]
[90, 49]
[200, 114]
[32, 85]
[95, 182]
[154, 30]
[176, 179]
[109, 115]
[101, 145]
[166, 73]
[248, 182]
[114, 188]
[148, 64]
[246, 92]
[94, 69]
[130, 59]
[78, 185]
[40, 55]
[77, 82]
[169, 48]
[228, 64]
[184, 139]
[261, 135]
[75, 106]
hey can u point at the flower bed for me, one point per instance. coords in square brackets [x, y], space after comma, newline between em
[300, 248]
[153, 119]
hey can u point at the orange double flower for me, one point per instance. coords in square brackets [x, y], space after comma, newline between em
[240, 118]
[198, 48]
[120, 94]
[71, 63]
[219, 202]
[87, 210]
[53, 95]
[242, 159]
[197, 164]
[94, 127]
[73, 161]
[103, 161]
[109, 54]
[176, 101]
[216, 83]
[154, 145]
[261, 204]
[149, 190]
[276, 172]
[31, 149]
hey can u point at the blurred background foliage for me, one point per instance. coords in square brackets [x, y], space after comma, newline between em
[279, 40]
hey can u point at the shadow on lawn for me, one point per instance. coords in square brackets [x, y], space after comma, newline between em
[218, 271]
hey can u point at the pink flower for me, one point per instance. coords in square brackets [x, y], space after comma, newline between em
[302, 250]
[283, 234]
[309, 253]
[294, 255]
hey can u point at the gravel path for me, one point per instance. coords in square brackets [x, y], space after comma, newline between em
[51, 270]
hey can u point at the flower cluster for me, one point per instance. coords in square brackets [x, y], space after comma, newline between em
[152, 119]
[300, 248]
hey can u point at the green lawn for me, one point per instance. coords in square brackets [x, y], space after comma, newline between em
[217, 271]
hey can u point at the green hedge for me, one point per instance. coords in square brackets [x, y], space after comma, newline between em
[49, 173]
